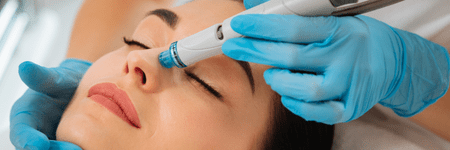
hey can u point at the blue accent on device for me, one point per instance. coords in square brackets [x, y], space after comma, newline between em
[169, 58]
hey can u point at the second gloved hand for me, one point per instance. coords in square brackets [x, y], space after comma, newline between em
[358, 62]
[35, 116]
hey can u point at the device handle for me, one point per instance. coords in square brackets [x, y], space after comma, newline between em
[284, 7]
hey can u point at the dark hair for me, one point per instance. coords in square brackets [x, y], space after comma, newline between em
[291, 132]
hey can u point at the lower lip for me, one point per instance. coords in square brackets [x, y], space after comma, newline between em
[111, 106]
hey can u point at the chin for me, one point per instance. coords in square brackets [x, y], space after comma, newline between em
[73, 131]
[82, 125]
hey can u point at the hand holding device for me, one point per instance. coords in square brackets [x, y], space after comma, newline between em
[207, 43]
[35, 116]
[358, 62]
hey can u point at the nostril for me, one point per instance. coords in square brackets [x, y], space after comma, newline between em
[144, 79]
[142, 74]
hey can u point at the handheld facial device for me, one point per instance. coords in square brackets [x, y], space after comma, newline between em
[208, 43]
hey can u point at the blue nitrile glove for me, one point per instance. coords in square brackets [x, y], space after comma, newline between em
[359, 62]
[35, 116]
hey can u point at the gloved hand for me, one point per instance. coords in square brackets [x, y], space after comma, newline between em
[35, 116]
[358, 61]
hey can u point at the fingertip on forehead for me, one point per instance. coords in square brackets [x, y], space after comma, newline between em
[260, 67]
[258, 74]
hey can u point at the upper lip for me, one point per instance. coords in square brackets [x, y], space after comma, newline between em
[119, 97]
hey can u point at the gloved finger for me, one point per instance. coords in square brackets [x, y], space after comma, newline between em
[25, 110]
[304, 87]
[23, 136]
[46, 80]
[279, 54]
[38, 111]
[328, 112]
[286, 28]
[252, 3]
[61, 145]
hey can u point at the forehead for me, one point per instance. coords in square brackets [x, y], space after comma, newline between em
[213, 7]
[200, 14]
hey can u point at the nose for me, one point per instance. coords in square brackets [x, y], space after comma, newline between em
[144, 70]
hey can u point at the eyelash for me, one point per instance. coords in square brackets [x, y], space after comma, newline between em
[203, 83]
[189, 74]
[133, 42]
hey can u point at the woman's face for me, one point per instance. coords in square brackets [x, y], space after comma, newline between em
[175, 110]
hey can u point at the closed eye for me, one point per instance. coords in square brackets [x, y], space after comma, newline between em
[136, 43]
[205, 85]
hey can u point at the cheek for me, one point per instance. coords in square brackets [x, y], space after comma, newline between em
[112, 64]
[193, 121]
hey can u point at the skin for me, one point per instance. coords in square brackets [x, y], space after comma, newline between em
[101, 24]
[175, 111]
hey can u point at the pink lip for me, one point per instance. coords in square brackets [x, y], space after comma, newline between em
[116, 101]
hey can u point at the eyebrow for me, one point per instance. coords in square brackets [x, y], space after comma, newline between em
[168, 16]
[248, 72]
